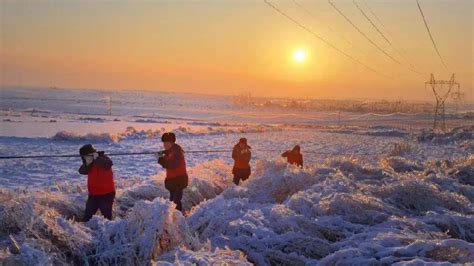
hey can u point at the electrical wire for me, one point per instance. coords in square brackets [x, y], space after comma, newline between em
[324, 40]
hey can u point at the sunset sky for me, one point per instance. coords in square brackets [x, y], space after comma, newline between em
[230, 47]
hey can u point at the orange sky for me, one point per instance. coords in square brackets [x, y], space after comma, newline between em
[229, 47]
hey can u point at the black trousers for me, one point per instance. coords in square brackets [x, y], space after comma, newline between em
[176, 196]
[240, 174]
[103, 203]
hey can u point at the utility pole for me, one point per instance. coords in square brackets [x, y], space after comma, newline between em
[109, 104]
[439, 113]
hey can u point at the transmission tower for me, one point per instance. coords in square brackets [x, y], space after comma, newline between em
[458, 97]
[437, 86]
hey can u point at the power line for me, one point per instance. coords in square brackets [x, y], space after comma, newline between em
[363, 34]
[431, 36]
[329, 27]
[186, 152]
[324, 40]
[108, 154]
[381, 34]
[372, 23]
[399, 50]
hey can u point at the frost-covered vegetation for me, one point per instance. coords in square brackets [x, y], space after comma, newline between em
[340, 211]
[375, 190]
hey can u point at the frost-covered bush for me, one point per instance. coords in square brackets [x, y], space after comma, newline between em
[417, 195]
[400, 149]
[203, 257]
[356, 208]
[206, 181]
[276, 181]
[460, 135]
[20, 210]
[267, 233]
[149, 230]
[454, 225]
[400, 164]
[357, 170]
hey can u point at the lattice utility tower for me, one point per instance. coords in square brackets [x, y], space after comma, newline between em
[458, 97]
[437, 86]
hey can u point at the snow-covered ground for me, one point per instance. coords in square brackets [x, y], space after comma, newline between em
[375, 189]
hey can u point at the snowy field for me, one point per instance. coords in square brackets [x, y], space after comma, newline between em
[375, 189]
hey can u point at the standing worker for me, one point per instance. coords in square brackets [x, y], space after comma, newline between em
[100, 182]
[172, 159]
[294, 156]
[241, 155]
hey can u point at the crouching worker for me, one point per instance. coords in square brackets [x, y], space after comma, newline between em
[241, 155]
[100, 182]
[172, 159]
[294, 156]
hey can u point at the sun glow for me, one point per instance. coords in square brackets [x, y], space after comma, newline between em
[299, 56]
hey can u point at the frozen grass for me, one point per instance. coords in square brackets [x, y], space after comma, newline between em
[343, 211]
[462, 136]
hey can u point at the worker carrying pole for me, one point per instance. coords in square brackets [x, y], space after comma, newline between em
[241, 155]
[294, 156]
[172, 159]
[100, 182]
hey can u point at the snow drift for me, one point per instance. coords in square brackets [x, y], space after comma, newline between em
[132, 134]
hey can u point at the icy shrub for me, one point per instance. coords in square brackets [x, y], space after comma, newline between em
[453, 251]
[456, 226]
[400, 149]
[420, 196]
[350, 256]
[356, 170]
[267, 233]
[148, 190]
[356, 208]
[276, 181]
[305, 202]
[29, 255]
[465, 172]
[149, 230]
[206, 181]
[400, 164]
[18, 212]
[203, 257]
[459, 135]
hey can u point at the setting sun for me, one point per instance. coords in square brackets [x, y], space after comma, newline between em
[299, 56]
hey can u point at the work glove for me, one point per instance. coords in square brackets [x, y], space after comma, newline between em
[88, 159]
[245, 151]
[159, 154]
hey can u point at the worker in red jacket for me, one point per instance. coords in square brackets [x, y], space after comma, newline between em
[100, 182]
[241, 155]
[172, 159]
[294, 156]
